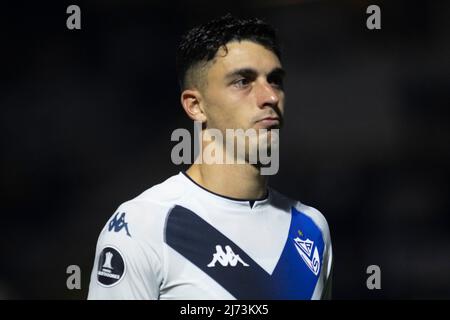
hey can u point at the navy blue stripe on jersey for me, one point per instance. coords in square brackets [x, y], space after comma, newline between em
[197, 241]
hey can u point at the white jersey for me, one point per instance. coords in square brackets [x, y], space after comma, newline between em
[178, 240]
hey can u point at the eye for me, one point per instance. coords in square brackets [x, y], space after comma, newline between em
[241, 83]
[276, 81]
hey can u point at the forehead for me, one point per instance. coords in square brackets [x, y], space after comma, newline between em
[244, 54]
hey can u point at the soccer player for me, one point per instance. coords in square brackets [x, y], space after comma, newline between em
[217, 231]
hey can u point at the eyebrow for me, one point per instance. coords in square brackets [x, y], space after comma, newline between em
[249, 72]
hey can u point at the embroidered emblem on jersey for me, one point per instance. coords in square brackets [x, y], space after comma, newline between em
[195, 239]
[118, 223]
[111, 267]
[226, 258]
[304, 249]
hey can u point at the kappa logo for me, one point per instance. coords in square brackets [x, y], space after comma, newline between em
[225, 258]
[118, 223]
[308, 252]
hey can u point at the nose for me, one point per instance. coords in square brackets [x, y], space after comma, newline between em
[267, 95]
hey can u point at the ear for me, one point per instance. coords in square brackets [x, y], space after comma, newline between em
[191, 100]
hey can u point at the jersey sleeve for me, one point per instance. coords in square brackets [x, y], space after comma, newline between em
[327, 291]
[128, 261]
[324, 285]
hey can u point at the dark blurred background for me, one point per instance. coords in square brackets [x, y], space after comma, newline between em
[86, 119]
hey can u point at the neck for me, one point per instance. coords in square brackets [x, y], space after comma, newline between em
[240, 181]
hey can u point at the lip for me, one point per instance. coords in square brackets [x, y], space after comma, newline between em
[268, 122]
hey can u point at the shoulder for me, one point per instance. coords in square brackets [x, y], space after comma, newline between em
[164, 193]
[154, 203]
[314, 214]
[143, 217]
[317, 217]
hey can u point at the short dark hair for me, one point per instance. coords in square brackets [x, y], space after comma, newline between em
[201, 43]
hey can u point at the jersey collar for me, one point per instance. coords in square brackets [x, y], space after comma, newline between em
[228, 201]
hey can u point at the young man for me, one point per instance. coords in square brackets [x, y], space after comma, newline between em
[217, 231]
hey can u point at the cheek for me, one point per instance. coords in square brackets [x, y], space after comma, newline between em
[224, 110]
[218, 114]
